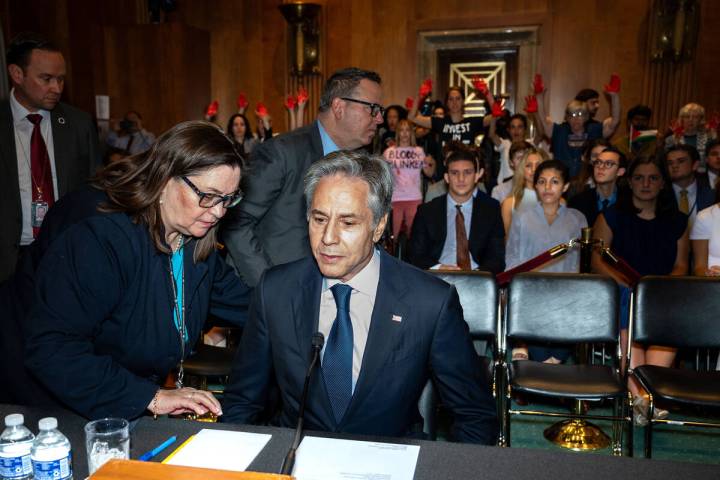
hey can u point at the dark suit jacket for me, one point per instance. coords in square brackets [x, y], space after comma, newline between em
[432, 339]
[586, 202]
[77, 156]
[487, 235]
[269, 227]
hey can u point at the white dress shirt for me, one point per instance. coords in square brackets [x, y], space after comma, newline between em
[362, 301]
[23, 129]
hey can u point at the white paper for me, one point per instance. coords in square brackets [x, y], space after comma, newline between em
[329, 458]
[221, 449]
[102, 107]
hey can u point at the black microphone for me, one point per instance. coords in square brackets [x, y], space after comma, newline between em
[318, 340]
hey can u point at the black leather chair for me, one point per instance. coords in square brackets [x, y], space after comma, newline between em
[479, 299]
[205, 362]
[567, 309]
[678, 312]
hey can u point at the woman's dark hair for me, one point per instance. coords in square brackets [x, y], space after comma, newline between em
[665, 203]
[580, 182]
[402, 113]
[552, 165]
[248, 129]
[134, 184]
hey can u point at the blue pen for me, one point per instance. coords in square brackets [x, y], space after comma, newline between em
[153, 453]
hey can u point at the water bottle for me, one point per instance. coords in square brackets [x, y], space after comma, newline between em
[50, 454]
[15, 444]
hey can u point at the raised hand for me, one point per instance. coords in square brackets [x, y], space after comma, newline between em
[425, 88]
[538, 84]
[714, 121]
[677, 128]
[614, 85]
[531, 104]
[242, 102]
[212, 110]
[291, 102]
[497, 109]
[261, 110]
[481, 86]
[302, 96]
[409, 102]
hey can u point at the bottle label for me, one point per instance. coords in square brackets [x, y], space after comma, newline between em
[15, 467]
[53, 469]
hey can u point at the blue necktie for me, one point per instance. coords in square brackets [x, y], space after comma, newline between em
[338, 356]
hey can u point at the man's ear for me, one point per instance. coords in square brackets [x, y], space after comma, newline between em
[338, 107]
[377, 234]
[479, 175]
[696, 165]
[16, 73]
[621, 172]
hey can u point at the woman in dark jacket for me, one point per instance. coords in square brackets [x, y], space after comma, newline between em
[121, 295]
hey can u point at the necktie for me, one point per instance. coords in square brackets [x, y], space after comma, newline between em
[338, 356]
[683, 204]
[461, 241]
[42, 187]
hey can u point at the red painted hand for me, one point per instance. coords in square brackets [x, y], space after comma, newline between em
[614, 85]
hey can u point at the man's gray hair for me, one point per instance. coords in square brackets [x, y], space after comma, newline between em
[343, 84]
[373, 169]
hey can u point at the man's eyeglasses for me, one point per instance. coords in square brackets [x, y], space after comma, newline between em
[209, 200]
[374, 107]
[604, 163]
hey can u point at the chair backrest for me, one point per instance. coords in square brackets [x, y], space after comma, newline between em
[562, 308]
[479, 300]
[677, 311]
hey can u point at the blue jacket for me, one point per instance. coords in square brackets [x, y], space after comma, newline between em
[101, 335]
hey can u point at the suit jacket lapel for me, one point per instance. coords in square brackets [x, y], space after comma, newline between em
[306, 315]
[384, 330]
[61, 141]
[475, 222]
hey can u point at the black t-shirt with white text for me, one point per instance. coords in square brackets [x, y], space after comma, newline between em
[464, 131]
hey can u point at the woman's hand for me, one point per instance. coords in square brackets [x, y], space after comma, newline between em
[184, 400]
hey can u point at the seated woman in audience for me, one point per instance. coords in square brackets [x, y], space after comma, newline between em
[239, 131]
[691, 130]
[502, 190]
[646, 230]
[523, 189]
[408, 163]
[535, 230]
[123, 294]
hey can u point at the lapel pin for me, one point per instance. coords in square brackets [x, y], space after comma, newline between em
[61, 120]
[396, 318]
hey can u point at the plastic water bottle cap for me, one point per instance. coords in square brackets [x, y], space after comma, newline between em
[48, 423]
[15, 419]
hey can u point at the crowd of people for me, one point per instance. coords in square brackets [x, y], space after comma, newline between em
[109, 272]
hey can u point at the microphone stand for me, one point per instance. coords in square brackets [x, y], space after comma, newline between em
[318, 341]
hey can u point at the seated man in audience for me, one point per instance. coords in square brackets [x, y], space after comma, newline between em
[712, 157]
[463, 229]
[691, 195]
[388, 326]
[130, 136]
[608, 167]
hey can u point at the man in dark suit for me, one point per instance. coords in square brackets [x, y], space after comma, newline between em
[269, 227]
[388, 326]
[691, 195]
[434, 240]
[712, 161]
[34, 125]
[608, 168]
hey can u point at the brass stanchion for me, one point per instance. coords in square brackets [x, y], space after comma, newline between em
[578, 434]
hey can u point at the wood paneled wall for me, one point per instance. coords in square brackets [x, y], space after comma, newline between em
[581, 44]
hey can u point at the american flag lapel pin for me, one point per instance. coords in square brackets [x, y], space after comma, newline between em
[396, 318]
